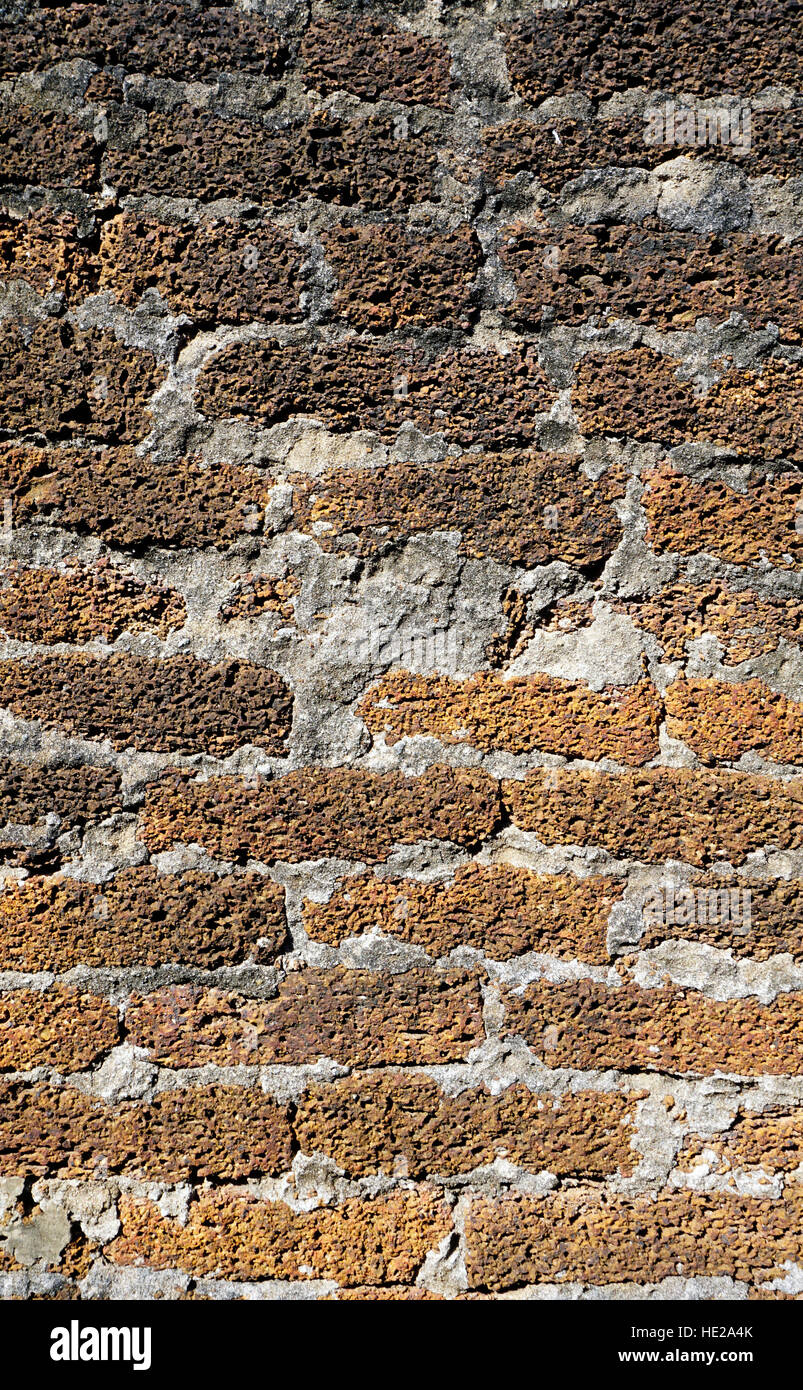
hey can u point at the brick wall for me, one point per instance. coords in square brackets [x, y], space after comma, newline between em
[401, 714]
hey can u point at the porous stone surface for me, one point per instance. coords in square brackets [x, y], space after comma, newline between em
[401, 673]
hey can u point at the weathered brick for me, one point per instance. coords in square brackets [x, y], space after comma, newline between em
[76, 795]
[176, 703]
[404, 1124]
[502, 910]
[518, 508]
[664, 278]
[79, 603]
[594, 1237]
[356, 1017]
[45, 250]
[756, 918]
[661, 813]
[742, 527]
[64, 380]
[46, 149]
[192, 154]
[255, 594]
[746, 624]
[222, 271]
[56, 1027]
[141, 917]
[167, 38]
[720, 720]
[315, 812]
[519, 715]
[389, 277]
[235, 1235]
[772, 1142]
[638, 393]
[131, 501]
[375, 62]
[205, 1132]
[470, 396]
[586, 1025]
[600, 49]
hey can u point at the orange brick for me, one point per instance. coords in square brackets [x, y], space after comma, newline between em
[687, 517]
[55, 1027]
[721, 721]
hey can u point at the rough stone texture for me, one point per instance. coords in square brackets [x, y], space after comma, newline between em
[209, 1132]
[663, 278]
[165, 706]
[401, 674]
[638, 393]
[237, 1236]
[660, 814]
[600, 49]
[542, 712]
[359, 1018]
[746, 624]
[388, 1123]
[584, 1025]
[129, 500]
[472, 397]
[329, 811]
[501, 910]
[742, 527]
[57, 1028]
[141, 917]
[721, 721]
[595, 1237]
[389, 279]
[64, 381]
[517, 508]
[226, 271]
[375, 62]
[77, 604]
[339, 161]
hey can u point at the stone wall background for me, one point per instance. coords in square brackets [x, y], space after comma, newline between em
[400, 598]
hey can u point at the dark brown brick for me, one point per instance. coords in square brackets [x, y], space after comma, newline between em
[721, 720]
[131, 501]
[224, 271]
[470, 396]
[746, 624]
[519, 715]
[167, 38]
[391, 278]
[80, 602]
[600, 1238]
[664, 278]
[56, 1027]
[141, 917]
[375, 62]
[518, 508]
[356, 1017]
[755, 918]
[586, 1025]
[235, 1235]
[393, 1123]
[502, 910]
[638, 393]
[742, 527]
[194, 155]
[207, 1132]
[77, 795]
[67, 381]
[45, 250]
[600, 49]
[177, 703]
[318, 812]
[661, 813]
[772, 1142]
[46, 148]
